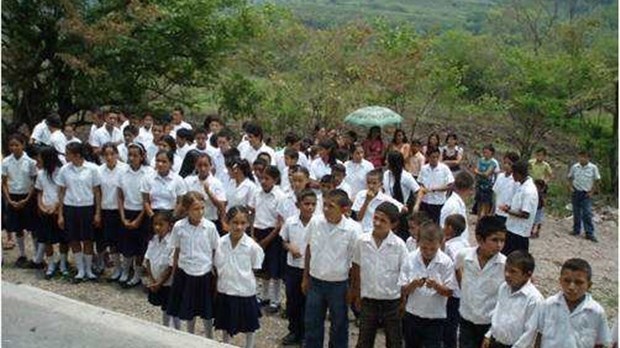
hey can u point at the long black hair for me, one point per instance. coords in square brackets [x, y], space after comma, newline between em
[396, 163]
[188, 167]
[49, 160]
[243, 165]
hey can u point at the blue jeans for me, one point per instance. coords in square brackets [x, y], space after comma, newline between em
[582, 213]
[323, 295]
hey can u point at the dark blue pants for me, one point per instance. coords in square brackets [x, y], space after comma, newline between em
[321, 296]
[422, 332]
[515, 242]
[376, 314]
[471, 335]
[582, 213]
[433, 211]
[295, 301]
[452, 322]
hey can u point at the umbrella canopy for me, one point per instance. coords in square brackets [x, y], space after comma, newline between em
[373, 116]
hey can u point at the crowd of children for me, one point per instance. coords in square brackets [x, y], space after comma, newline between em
[214, 231]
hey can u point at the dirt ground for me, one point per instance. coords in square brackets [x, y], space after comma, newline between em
[553, 247]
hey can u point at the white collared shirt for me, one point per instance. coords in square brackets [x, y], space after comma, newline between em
[122, 152]
[584, 176]
[102, 136]
[48, 186]
[407, 183]
[196, 244]
[346, 188]
[58, 141]
[432, 178]
[380, 266]
[250, 154]
[193, 183]
[41, 133]
[145, 136]
[20, 173]
[294, 232]
[454, 205]
[175, 128]
[370, 209]
[331, 247]
[451, 248]
[91, 134]
[411, 244]
[110, 182]
[584, 327]
[288, 207]
[183, 150]
[479, 286]
[241, 194]
[356, 175]
[318, 169]
[159, 253]
[219, 165]
[267, 206]
[79, 183]
[426, 302]
[164, 191]
[524, 199]
[504, 188]
[176, 162]
[235, 266]
[302, 160]
[130, 184]
[514, 318]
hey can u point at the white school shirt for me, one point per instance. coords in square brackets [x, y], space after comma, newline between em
[235, 266]
[20, 173]
[318, 169]
[380, 266]
[514, 318]
[584, 327]
[425, 302]
[479, 286]
[159, 253]
[48, 186]
[196, 244]
[302, 160]
[102, 136]
[584, 176]
[288, 207]
[193, 183]
[267, 206]
[151, 152]
[145, 136]
[79, 183]
[411, 244]
[219, 165]
[110, 182]
[130, 183]
[183, 150]
[407, 183]
[356, 175]
[41, 133]
[524, 199]
[175, 128]
[122, 152]
[241, 194]
[58, 141]
[331, 247]
[177, 161]
[451, 248]
[370, 209]
[294, 232]
[91, 134]
[504, 188]
[454, 205]
[250, 154]
[346, 188]
[432, 178]
[164, 190]
[124, 125]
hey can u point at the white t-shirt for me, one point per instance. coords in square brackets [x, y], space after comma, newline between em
[235, 266]
[175, 128]
[356, 175]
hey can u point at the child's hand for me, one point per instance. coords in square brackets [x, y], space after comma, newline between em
[432, 283]
[61, 222]
[504, 207]
[294, 251]
[371, 194]
[486, 343]
[416, 283]
[97, 220]
[305, 285]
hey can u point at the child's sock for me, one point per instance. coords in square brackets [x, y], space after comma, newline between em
[38, 256]
[191, 326]
[88, 266]
[226, 337]
[137, 275]
[79, 263]
[176, 323]
[127, 261]
[165, 319]
[274, 292]
[21, 246]
[249, 340]
[51, 264]
[208, 327]
[63, 262]
[116, 262]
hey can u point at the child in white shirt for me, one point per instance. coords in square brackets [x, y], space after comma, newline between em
[414, 223]
[368, 200]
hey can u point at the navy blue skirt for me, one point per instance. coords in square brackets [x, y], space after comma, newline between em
[111, 221]
[273, 265]
[48, 231]
[160, 298]
[79, 223]
[190, 296]
[236, 314]
[22, 219]
[132, 242]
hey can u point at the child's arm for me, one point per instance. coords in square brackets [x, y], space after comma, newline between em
[40, 204]
[175, 260]
[178, 208]
[356, 287]
[441, 289]
[305, 282]
[264, 243]
[121, 206]
[221, 208]
[369, 197]
[61, 199]
[97, 193]
[149, 274]
[5, 190]
[164, 277]
[146, 198]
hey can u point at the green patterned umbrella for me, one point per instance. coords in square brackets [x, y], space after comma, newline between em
[373, 116]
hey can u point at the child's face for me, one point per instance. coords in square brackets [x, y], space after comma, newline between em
[414, 229]
[110, 156]
[515, 277]
[332, 210]
[203, 167]
[326, 187]
[238, 225]
[215, 127]
[158, 132]
[16, 147]
[338, 178]
[583, 159]
[111, 119]
[451, 141]
[164, 146]
[433, 159]
[507, 163]
[128, 137]
[307, 206]
[177, 117]
[254, 140]
[358, 154]
[69, 132]
[322, 152]
[299, 181]
[181, 141]
[574, 284]
[289, 161]
[415, 148]
[223, 143]
[373, 183]
[162, 164]
[428, 249]
[161, 226]
[147, 121]
[448, 232]
[196, 211]
[381, 222]
[487, 153]
[493, 244]
[267, 183]
[258, 171]
[134, 157]
[540, 156]
[201, 140]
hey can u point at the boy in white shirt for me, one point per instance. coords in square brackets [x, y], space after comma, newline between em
[455, 204]
[339, 172]
[436, 179]
[505, 186]
[378, 258]
[330, 242]
[427, 279]
[513, 323]
[480, 272]
[572, 318]
[368, 200]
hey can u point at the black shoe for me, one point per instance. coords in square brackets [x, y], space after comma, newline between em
[76, 280]
[263, 303]
[592, 238]
[21, 262]
[33, 265]
[574, 233]
[272, 309]
[291, 340]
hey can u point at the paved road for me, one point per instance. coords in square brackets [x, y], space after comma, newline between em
[36, 318]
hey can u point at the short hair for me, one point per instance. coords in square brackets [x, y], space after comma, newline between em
[200, 130]
[522, 260]
[179, 109]
[420, 217]
[163, 215]
[260, 162]
[520, 167]
[273, 172]
[416, 142]
[577, 264]
[432, 150]
[300, 169]
[75, 148]
[225, 133]
[186, 134]
[377, 172]
[339, 168]
[254, 129]
[262, 155]
[327, 179]
[457, 223]
[512, 156]
[430, 232]
[291, 138]
[541, 150]
[452, 135]
[489, 225]
[189, 198]
[292, 153]
[489, 147]
[340, 197]
[389, 209]
[131, 129]
[463, 181]
[583, 152]
[53, 121]
[305, 193]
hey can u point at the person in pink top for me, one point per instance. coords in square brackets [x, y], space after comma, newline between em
[374, 147]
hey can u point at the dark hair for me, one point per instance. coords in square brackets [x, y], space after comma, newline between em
[260, 162]
[199, 130]
[109, 145]
[330, 146]
[188, 166]
[225, 133]
[254, 129]
[53, 121]
[583, 152]
[186, 134]
[372, 130]
[340, 196]
[416, 142]
[17, 137]
[396, 164]
[540, 184]
[262, 155]
[338, 168]
[390, 210]
[489, 147]
[520, 167]
[428, 141]
[243, 165]
[49, 160]
[377, 172]
[179, 109]
[191, 197]
[169, 155]
[577, 264]
[420, 217]
[306, 193]
[457, 223]
[300, 169]
[238, 209]
[140, 148]
[75, 148]
[451, 135]
[489, 225]
[327, 179]
[405, 140]
[430, 232]
[273, 172]
[131, 129]
[463, 181]
[512, 156]
[292, 153]
[431, 150]
[169, 140]
[522, 260]
[541, 150]
[164, 215]
[291, 138]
